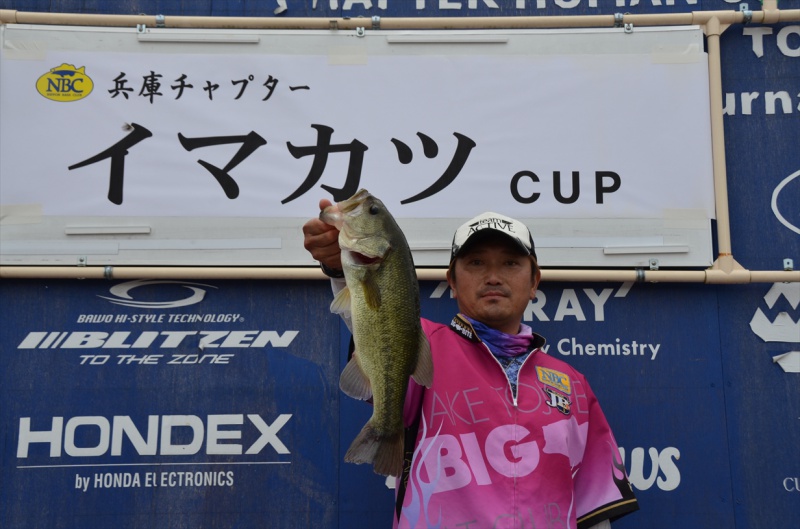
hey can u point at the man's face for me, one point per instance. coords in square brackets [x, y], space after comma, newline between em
[493, 283]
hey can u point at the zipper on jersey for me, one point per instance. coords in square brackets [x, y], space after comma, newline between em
[514, 393]
[508, 380]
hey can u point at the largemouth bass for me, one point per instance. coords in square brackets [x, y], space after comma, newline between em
[381, 306]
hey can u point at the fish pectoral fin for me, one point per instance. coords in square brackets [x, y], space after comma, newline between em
[341, 302]
[423, 371]
[372, 292]
[341, 305]
[353, 382]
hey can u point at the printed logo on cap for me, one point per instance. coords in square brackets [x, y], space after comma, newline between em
[493, 223]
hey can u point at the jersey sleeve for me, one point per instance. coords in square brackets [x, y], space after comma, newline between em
[602, 489]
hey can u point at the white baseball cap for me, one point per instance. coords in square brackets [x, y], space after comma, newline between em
[493, 222]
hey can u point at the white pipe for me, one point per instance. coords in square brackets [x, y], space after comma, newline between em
[710, 276]
[768, 16]
[725, 261]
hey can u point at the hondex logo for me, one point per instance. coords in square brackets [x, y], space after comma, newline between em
[65, 83]
[122, 294]
[78, 436]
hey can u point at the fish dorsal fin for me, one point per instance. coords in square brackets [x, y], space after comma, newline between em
[423, 372]
[353, 382]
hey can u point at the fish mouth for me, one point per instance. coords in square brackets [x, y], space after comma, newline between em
[363, 259]
[336, 214]
[346, 206]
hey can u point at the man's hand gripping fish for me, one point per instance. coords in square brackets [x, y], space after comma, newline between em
[381, 306]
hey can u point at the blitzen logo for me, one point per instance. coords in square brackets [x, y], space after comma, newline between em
[179, 333]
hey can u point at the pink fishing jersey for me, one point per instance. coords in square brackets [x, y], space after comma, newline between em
[486, 457]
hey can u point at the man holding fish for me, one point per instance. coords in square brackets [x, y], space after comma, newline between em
[525, 443]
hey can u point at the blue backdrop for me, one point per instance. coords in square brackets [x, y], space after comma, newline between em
[703, 415]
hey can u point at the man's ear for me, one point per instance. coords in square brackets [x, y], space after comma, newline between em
[452, 282]
[537, 277]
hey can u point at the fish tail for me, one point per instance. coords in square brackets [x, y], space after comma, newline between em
[385, 452]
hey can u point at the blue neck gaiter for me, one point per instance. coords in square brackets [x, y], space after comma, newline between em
[502, 344]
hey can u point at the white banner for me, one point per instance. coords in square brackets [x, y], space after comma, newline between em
[158, 146]
[179, 133]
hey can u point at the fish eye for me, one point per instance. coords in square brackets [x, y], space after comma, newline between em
[374, 210]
